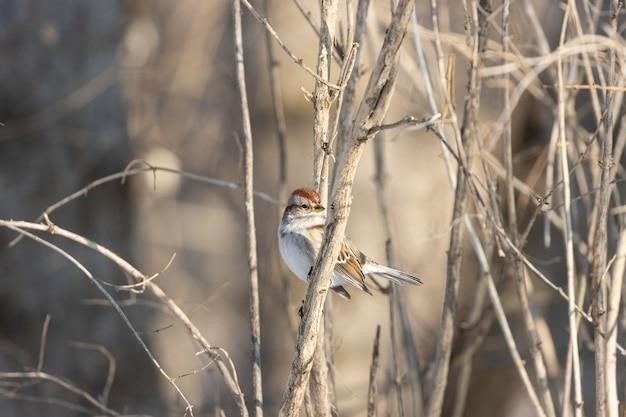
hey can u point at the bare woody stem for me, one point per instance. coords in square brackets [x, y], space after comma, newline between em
[599, 257]
[518, 268]
[605, 388]
[347, 99]
[569, 244]
[455, 251]
[248, 171]
[284, 47]
[322, 99]
[321, 159]
[371, 113]
[373, 387]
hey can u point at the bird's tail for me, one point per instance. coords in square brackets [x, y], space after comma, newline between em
[394, 275]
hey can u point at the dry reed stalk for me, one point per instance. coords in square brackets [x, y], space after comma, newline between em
[567, 234]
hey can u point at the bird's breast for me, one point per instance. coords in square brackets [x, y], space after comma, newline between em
[295, 252]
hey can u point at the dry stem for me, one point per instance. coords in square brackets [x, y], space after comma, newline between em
[248, 172]
[372, 390]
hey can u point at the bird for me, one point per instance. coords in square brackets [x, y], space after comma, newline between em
[300, 235]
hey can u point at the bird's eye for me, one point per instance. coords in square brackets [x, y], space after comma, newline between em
[305, 206]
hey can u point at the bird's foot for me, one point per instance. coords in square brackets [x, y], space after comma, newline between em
[301, 310]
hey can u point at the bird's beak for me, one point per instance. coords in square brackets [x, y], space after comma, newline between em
[319, 208]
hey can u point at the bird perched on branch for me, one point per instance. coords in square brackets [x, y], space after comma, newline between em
[300, 235]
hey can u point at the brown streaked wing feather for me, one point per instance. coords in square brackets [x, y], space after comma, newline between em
[349, 265]
[348, 262]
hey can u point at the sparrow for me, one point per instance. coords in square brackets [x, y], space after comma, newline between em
[300, 235]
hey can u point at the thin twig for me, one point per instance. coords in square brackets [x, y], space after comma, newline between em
[123, 315]
[518, 267]
[347, 100]
[227, 372]
[614, 286]
[531, 267]
[337, 51]
[569, 245]
[455, 251]
[38, 399]
[281, 139]
[612, 88]
[42, 344]
[129, 172]
[294, 58]
[506, 329]
[37, 375]
[379, 178]
[248, 173]
[615, 294]
[106, 390]
[396, 302]
[407, 120]
[373, 387]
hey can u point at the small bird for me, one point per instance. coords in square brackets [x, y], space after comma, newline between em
[300, 235]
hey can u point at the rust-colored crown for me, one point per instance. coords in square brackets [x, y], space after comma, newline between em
[307, 193]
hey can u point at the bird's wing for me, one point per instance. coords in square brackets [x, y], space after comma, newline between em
[349, 265]
[349, 262]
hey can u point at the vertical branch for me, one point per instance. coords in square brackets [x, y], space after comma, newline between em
[321, 152]
[318, 383]
[281, 138]
[598, 253]
[42, 343]
[372, 390]
[330, 355]
[599, 245]
[501, 316]
[569, 363]
[255, 321]
[371, 113]
[518, 266]
[395, 361]
[455, 251]
[396, 307]
[453, 276]
[347, 99]
[568, 236]
[615, 294]
[615, 285]
[322, 99]
[278, 112]
[379, 178]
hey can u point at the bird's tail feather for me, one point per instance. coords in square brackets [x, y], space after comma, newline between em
[394, 275]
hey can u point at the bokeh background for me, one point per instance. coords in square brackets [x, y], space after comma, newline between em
[86, 86]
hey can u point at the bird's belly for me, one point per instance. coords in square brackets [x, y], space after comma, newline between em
[293, 249]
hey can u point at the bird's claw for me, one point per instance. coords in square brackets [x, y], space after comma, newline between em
[301, 310]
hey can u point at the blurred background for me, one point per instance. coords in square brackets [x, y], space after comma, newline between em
[87, 86]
